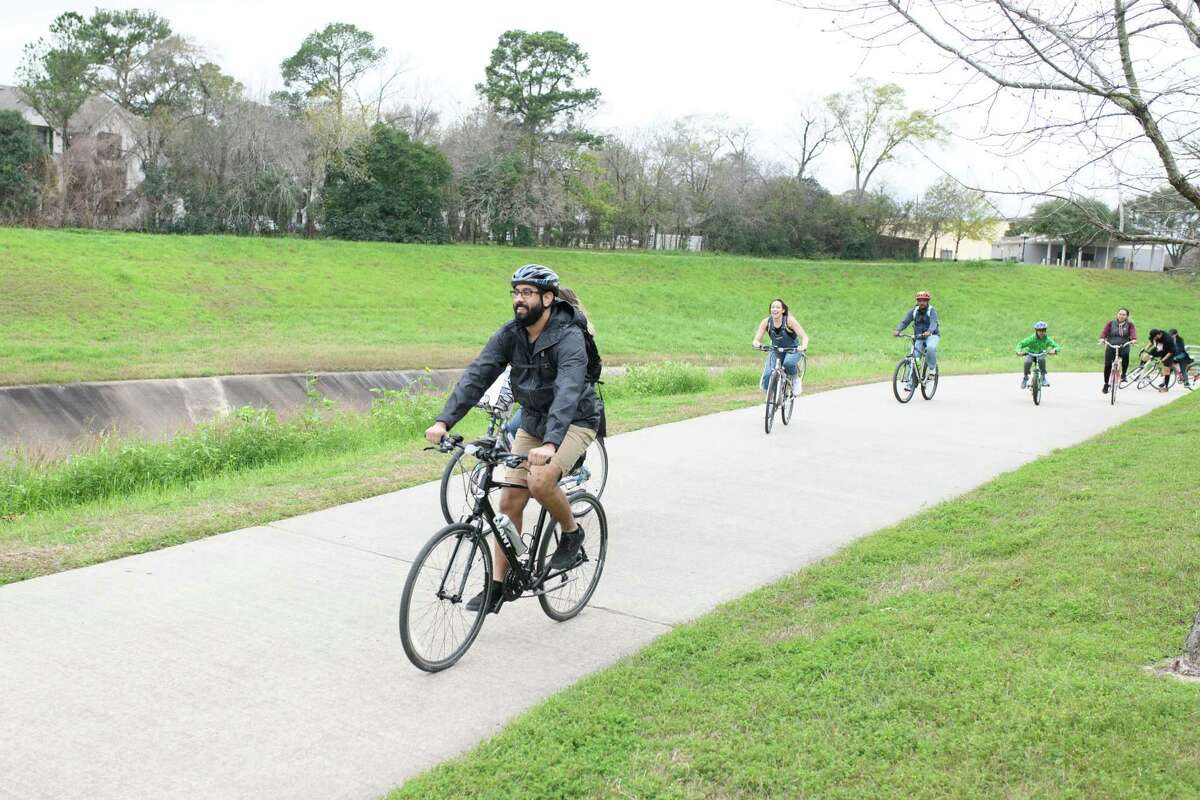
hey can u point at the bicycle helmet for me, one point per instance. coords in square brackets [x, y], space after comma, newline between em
[543, 278]
[1040, 326]
[922, 295]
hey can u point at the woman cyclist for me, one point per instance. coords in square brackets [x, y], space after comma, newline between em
[1119, 332]
[785, 332]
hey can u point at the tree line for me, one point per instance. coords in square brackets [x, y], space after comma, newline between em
[336, 153]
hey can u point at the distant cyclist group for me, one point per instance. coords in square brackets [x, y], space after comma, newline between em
[545, 360]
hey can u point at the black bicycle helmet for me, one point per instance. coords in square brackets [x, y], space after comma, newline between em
[543, 278]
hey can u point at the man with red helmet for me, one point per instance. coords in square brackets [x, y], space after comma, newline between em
[924, 319]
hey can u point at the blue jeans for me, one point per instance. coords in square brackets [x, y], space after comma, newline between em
[789, 366]
[515, 423]
[929, 347]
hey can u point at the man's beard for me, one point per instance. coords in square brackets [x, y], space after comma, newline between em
[532, 313]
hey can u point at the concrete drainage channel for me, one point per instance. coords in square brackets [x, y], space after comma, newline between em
[54, 418]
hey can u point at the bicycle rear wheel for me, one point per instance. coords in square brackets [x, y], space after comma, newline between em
[461, 487]
[772, 394]
[902, 385]
[435, 626]
[562, 595]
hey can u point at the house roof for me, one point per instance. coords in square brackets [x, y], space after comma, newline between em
[11, 100]
[95, 110]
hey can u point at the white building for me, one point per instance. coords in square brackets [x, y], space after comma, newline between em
[1100, 255]
[99, 122]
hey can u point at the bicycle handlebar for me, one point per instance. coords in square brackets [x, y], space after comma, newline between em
[1043, 353]
[1115, 346]
[767, 349]
[484, 449]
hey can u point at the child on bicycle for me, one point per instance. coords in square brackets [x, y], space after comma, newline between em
[1036, 345]
[785, 332]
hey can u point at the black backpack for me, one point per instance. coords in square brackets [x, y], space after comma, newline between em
[595, 363]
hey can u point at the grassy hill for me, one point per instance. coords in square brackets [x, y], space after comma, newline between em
[78, 305]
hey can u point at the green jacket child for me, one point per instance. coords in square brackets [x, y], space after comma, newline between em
[1035, 346]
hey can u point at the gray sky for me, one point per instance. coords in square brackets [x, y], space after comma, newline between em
[756, 61]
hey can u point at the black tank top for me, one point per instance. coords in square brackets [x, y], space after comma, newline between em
[782, 336]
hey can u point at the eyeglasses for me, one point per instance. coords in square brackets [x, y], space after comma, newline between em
[524, 294]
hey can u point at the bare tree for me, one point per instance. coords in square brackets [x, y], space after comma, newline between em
[874, 123]
[814, 132]
[1101, 80]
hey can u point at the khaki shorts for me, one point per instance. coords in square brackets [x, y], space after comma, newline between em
[573, 445]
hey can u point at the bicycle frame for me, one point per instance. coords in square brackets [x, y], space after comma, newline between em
[920, 366]
[483, 520]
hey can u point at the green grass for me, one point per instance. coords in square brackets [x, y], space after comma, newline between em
[125, 497]
[993, 646]
[78, 305]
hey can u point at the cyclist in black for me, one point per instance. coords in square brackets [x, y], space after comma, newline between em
[545, 347]
[1162, 346]
[1183, 358]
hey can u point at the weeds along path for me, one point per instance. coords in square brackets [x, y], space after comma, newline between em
[266, 663]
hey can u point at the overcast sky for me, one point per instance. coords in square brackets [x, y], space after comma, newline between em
[756, 61]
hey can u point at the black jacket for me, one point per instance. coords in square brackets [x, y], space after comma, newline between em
[548, 377]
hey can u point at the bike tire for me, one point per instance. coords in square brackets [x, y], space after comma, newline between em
[556, 597]
[418, 644]
[459, 488]
[772, 391]
[900, 383]
[787, 403]
[928, 386]
[596, 462]
[1114, 378]
[1036, 388]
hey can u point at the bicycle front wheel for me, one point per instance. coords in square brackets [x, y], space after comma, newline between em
[562, 595]
[1036, 388]
[772, 404]
[787, 402]
[929, 385]
[902, 385]
[436, 628]
[1114, 383]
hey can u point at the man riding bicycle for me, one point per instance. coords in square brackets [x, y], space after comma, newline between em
[544, 346]
[924, 319]
[1036, 346]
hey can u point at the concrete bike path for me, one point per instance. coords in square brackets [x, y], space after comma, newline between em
[266, 663]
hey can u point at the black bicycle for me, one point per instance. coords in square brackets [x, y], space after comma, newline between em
[781, 388]
[912, 370]
[436, 628]
[462, 479]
